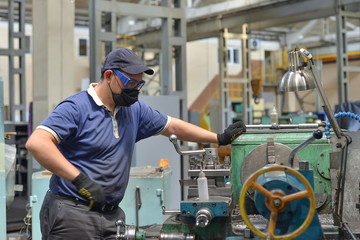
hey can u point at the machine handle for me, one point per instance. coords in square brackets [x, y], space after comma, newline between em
[317, 134]
[138, 206]
[173, 139]
[169, 212]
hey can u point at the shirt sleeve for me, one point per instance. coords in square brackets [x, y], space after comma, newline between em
[151, 122]
[62, 121]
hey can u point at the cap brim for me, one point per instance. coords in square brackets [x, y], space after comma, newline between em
[136, 69]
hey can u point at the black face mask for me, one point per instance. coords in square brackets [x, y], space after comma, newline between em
[126, 98]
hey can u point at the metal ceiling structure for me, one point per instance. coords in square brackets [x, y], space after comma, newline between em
[206, 18]
[313, 23]
[261, 16]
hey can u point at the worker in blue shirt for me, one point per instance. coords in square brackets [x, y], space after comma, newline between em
[87, 143]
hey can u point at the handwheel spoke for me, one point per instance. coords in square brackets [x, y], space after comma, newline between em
[272, 223]
[263, 191]
[276, 202]
[295, 196]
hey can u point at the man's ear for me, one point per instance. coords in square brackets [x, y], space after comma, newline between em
[107, 75]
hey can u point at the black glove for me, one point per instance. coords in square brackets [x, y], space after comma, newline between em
[91, 190]
[231, 132]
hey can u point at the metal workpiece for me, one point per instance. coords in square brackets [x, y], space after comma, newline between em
[203, 217]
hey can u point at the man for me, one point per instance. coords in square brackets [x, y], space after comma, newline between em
[87, 143]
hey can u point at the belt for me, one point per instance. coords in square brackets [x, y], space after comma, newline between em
[104, 208]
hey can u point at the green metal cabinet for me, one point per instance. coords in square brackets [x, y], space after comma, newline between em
[317, 153]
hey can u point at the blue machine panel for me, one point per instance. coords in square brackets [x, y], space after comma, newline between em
[218, 209]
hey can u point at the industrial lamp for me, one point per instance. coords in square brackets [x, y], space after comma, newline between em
[303, 76]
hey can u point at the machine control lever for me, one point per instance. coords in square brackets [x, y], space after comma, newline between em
[317, 134]
[173, 139]
[169, 212]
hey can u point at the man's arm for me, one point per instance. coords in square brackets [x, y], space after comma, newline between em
[42, 145]
[188, 132]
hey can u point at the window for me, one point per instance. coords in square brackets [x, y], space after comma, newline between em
[233, 55]
[27, 44]
[83, 47]
[236, 55]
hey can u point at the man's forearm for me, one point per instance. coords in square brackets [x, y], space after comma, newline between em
[189, 132]
[41, 145]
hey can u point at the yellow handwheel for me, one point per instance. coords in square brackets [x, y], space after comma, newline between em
[276, 202]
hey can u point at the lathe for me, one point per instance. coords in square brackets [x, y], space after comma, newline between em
[281, 181]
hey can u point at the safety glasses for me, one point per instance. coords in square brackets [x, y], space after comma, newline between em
[129, 83]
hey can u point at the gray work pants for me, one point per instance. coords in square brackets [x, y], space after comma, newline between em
[67, 219]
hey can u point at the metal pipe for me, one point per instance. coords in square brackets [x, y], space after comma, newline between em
[286, 126]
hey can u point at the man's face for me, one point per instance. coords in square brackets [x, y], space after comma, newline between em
[123, 80]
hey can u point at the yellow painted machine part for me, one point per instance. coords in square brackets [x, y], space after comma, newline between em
[250, 182]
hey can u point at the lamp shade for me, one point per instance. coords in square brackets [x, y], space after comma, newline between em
[298, 78]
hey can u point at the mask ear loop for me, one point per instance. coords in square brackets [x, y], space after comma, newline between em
[115, 75]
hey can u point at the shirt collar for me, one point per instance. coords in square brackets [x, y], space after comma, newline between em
[91, 91]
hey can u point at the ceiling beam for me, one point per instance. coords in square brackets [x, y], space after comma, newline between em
[258, 17]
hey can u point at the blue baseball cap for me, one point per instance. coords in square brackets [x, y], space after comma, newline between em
[125, 60]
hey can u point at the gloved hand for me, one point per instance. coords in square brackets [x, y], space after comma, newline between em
[91, 190]
[231, 132]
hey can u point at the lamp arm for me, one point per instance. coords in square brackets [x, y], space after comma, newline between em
[326, 106]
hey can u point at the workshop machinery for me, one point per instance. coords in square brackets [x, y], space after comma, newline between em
[279, 182]
[282, 181]
[278, 190]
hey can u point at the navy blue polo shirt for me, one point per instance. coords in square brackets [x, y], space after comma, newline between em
[99, 143]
